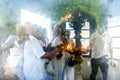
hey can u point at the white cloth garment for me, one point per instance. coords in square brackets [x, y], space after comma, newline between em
[15, 59]
[58, 64]
[33, 64]
[100, 44]
[69, 75]
[69, 71]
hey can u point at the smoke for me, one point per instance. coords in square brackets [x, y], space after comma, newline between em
[25, 3]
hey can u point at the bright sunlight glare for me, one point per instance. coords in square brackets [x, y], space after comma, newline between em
[36, 19]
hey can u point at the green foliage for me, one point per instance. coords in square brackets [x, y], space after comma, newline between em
[8, 18]
[92, 8]
[60, 8]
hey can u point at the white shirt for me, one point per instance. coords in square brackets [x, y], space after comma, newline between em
[33, 64]
[15, 59]
[57, 41]
[58, 64]
[99, 44]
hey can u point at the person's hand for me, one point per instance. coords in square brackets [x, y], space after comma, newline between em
[59, 48]
[58, 56]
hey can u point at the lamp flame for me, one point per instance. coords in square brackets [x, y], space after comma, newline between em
[67, 17]
[85, 49]
[69, 47]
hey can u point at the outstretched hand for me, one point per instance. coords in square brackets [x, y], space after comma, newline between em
[59, 47]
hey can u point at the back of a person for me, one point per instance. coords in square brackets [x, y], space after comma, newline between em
[98, 47]
[100, 44]
[33, 65]
[27, 49]
[15, 59]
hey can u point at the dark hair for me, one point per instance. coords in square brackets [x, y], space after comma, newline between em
[63, 25]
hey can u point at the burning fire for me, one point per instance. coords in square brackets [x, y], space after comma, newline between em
[85, 49]
[67, 17]
[70, 48]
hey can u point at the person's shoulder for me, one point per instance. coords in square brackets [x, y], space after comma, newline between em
[13, 37]
[107, 34]
[94, 34]
[32, 38]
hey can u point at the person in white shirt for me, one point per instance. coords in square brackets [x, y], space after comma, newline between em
[15, 44]
[59, 60]
[58, 39]
[34, 55]
[100, 46]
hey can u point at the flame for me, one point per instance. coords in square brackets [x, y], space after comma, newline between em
[67, 17]
[69, 47]
[85, 49]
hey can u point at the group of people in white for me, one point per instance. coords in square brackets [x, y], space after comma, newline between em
[27, 56]
[28, 59]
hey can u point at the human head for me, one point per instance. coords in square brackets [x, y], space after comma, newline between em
[29, 27]
[101, 28]
[34, 30]
[37, 33]
[59, 29]
[21, 31]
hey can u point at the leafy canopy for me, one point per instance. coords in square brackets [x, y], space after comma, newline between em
[8, 18]
[94, 8]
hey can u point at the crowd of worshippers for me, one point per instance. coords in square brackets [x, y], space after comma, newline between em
[30, 53]
[33, 57]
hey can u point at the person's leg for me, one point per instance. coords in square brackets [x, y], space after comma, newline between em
[104, 69]
[94, 66]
